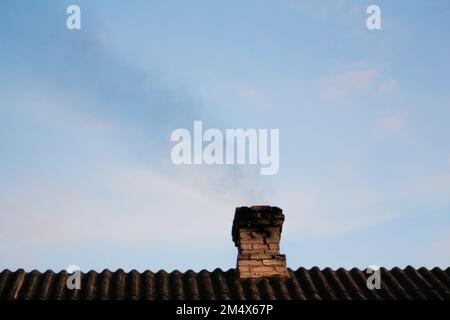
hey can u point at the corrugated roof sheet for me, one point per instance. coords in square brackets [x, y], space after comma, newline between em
[303, 284]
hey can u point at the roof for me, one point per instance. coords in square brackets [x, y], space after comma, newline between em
[303, 284]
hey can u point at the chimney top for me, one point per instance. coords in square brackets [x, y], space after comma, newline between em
[256, 233]
[257, 217]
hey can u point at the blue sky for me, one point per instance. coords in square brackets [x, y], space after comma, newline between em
[86, 115]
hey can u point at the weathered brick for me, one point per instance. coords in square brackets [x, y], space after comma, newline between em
[244, 269]
[272, 252]
[260, 256]
[274, 246]
[257, 234]
[273, 229]
[280, 269]
[245, 246]
[250, 263]
[274, 262]
[243, 262]
[260, 246]
[252, 241]
[252, 252]
[245, 235]
[263, 269]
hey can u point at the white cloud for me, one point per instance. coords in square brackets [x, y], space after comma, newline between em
[129, 206]
[329, 11]
[390, 124]
[444, 180]
[139, 208]
[253, 98]
[315, 211]
[341, 86]
[437, 251]
[388, 86]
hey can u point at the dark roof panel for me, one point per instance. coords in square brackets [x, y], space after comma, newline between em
[302, 284]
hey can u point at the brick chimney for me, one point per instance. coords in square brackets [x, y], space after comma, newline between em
[256, 233]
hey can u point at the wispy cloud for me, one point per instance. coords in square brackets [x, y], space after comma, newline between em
[327, 212]
[253, 98]
[340, 87]
[130, 207]
[329, 11]
[390, 124]
[388, 86]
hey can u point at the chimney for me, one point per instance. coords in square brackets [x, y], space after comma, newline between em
[256, 233]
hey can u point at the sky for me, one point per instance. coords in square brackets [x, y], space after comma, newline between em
[86, 176]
